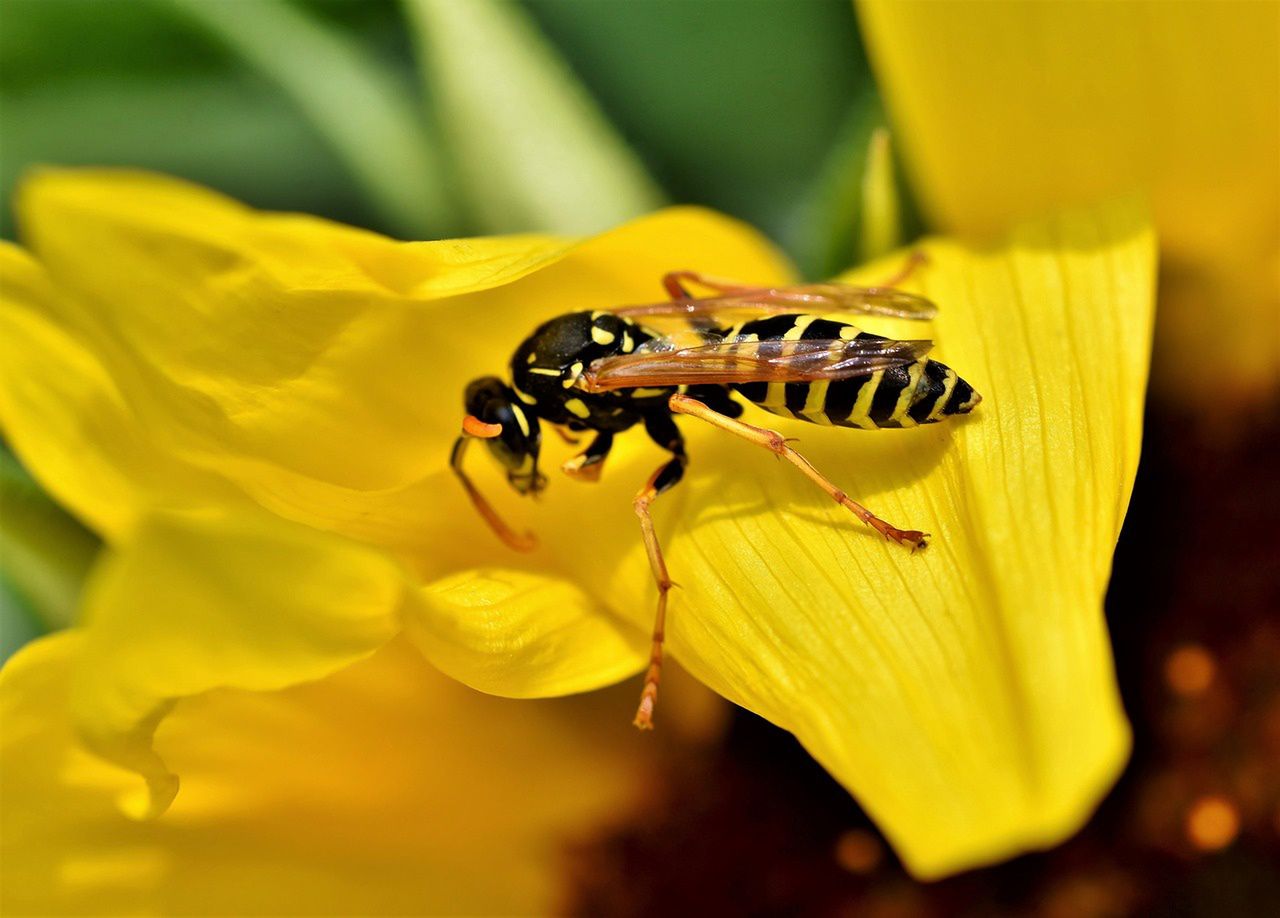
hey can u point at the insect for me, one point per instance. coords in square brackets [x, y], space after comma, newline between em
[607, 371]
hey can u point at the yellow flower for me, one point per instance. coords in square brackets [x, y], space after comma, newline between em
[1008, 111]
[385, 788]
[255, 410]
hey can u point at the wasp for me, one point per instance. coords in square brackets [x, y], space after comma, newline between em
[607, 371]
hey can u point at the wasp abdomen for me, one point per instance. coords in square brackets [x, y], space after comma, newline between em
[922, 392]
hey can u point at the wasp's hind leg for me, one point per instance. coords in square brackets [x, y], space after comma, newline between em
[776, 443]
[665, 433]
[587, 465]
[717, 398]
[673, 282]
[915, 259]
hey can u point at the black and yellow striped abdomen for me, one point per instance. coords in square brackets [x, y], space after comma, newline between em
[922, 392]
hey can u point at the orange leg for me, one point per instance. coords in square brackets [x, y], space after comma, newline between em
[777, 444]
[565, 435]
[673, 282]
[666, 476]
[914, 260]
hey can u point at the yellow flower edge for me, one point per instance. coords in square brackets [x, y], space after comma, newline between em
[383, 788]
[1002, 117]
[965, 695]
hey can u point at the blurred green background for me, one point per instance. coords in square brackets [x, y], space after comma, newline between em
[425, 118]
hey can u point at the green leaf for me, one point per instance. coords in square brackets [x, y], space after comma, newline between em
[732, 104]
[823, 231]
[880, 229]
[372, 121]
[18, 624]
[45, 554]
[531, 147]
[229, 130]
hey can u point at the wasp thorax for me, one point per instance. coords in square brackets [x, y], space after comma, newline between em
[492, 401]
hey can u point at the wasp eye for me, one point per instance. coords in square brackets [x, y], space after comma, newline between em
[516, 447]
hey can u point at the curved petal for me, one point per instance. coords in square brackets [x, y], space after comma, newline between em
[995, 104]
[66, 418]
[319, 367]
[519, 634]
[384, 788]
[964, 694]
[194, 603]
[200, 603]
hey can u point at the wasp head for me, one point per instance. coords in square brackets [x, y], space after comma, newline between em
[511, 432]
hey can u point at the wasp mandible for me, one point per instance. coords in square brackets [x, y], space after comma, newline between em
[608, 370]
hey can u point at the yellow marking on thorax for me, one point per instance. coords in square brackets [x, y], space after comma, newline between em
[904, 398]
[524, 396]
[520, 419]
[776, 395]
[543, 371]
[862, 407]
[628, 343]
[647, 392]
[948, 385]
[600, 336]
[574, 372]
[577, 407]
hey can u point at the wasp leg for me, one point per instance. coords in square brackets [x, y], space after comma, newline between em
[914, 260]
[515, 540]
[587, 465]
[664, 431]
[717, 398]
[673, 282]
[776, 443]
[565, 435]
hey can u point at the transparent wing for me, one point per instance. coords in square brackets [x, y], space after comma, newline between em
[823, 298]
[730, 361]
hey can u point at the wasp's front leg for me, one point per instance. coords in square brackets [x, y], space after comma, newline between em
[587, 465]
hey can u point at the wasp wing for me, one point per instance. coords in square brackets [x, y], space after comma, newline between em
[824, 298]
[732, 361]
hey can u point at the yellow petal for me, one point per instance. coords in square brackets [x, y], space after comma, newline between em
[319, 367]
[964, 694]
[519, 634]
[229, 330]
[193, 603]
[216, 601]
[66, 418]
[384, 788]
[1006, 111]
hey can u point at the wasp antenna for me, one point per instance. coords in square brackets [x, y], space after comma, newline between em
[474, 427]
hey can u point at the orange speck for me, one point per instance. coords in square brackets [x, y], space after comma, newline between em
[1190, 670]
[1212, 823]
[858, 851]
